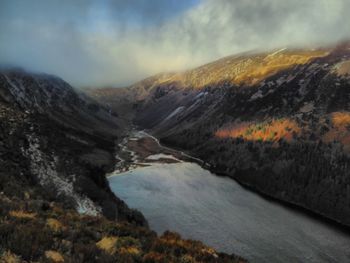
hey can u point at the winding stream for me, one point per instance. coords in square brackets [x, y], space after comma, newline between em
[188, 199]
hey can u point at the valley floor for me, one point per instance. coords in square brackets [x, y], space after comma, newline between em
[142, 149]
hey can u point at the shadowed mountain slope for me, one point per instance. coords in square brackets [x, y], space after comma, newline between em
[277, 122]
[58, 141]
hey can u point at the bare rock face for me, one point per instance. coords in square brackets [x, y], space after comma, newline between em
[58, 144]
[277, 122]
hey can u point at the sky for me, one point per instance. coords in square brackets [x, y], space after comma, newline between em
[97, 43]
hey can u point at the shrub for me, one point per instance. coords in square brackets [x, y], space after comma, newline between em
[28, 240]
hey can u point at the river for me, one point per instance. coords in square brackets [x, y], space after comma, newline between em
[190, 200]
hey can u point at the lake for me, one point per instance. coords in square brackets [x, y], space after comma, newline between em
[190, 200]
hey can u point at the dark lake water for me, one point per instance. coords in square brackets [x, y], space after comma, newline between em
[185, 198]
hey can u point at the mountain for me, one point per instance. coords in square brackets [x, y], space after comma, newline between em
[59, 140]
[56, 147]
[277, 122]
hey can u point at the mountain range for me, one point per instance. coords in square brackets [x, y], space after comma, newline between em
[277, 122]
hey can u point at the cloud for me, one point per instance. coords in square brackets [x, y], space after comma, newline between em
[111, 42]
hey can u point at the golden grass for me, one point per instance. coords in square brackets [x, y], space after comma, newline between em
[108, 244]
[135, 243]
[343, 68]
[153, 257]
[273, 64]
[243, 70]
[8, 257]
[54, 225]
[130, 250]
[265, 131]
[22, 214]
[54, 256]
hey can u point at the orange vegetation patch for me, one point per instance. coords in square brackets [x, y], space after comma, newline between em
[54, 256]
[340, 120]
[54, 225]
[22, 214]
[273, 130]
[108, 244]
[170, 240]
[8, 257]
[130, 250]
[154, 257]
[122, 245]
[340, 130]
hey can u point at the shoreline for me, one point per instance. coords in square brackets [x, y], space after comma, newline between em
[287, 204]
[161, 149]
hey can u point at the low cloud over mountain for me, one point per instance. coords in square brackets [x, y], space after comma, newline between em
[96, 43]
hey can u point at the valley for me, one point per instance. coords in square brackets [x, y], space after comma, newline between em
[174, 131]
[283, 134]
[140, 149]
[175, 193]
[56, 147]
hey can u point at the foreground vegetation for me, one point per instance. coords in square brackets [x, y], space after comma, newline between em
[39, 231]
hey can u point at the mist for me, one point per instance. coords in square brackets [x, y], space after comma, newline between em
[116, 43]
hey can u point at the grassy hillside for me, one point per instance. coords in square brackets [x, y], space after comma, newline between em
[34, 230]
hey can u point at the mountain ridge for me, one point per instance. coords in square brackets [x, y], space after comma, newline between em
[285, 135]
